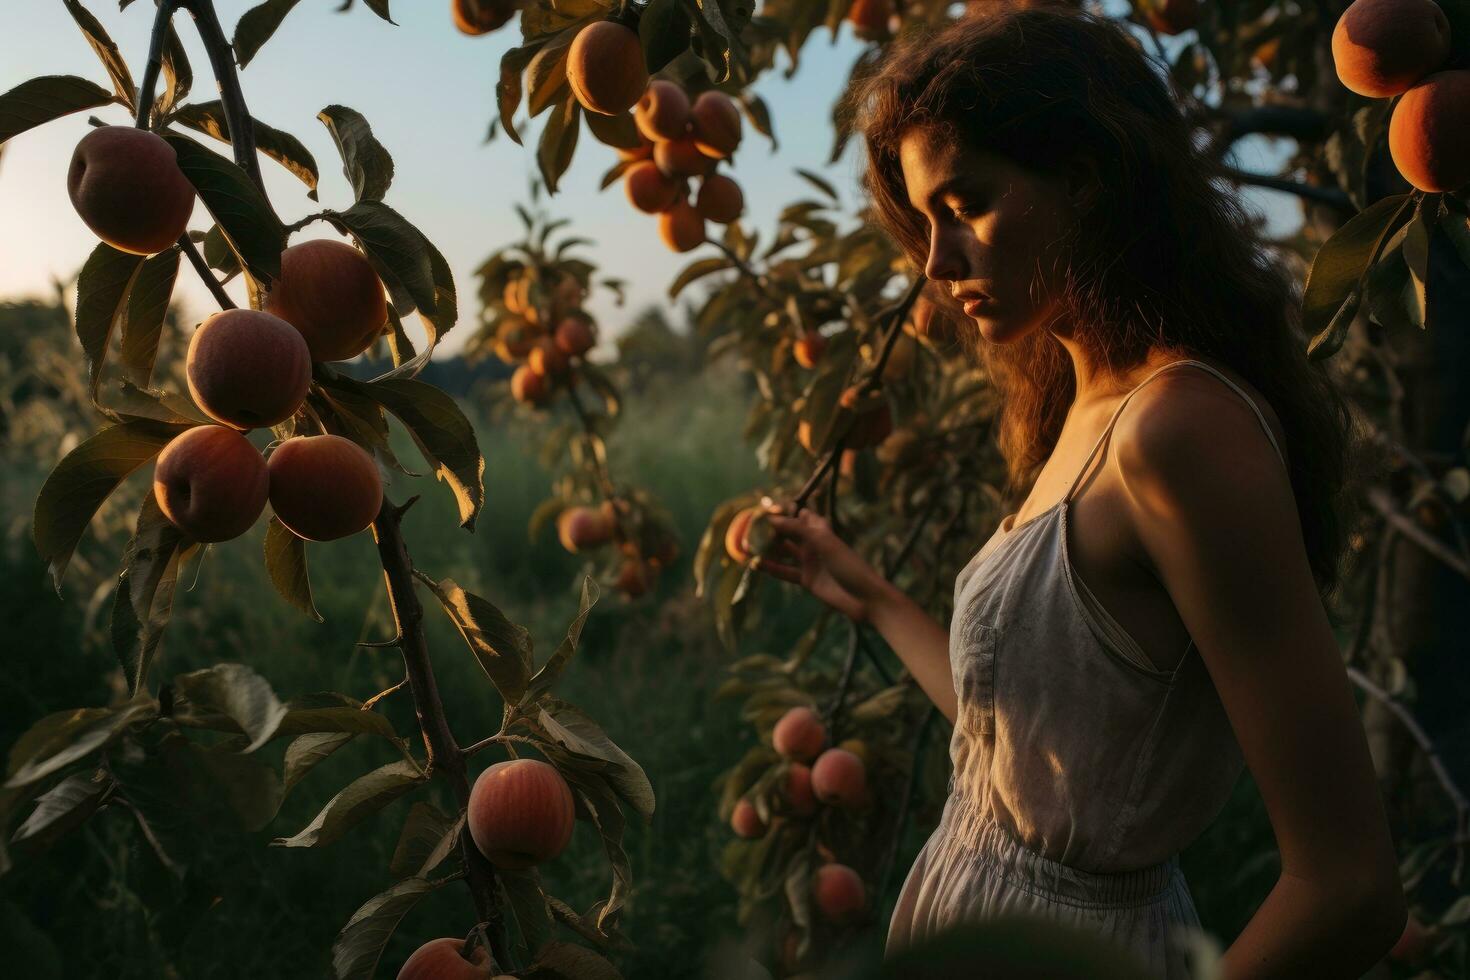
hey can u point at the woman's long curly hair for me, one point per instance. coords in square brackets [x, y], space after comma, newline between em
[1164, 258]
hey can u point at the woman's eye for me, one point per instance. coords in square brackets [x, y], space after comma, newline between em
[969, 210]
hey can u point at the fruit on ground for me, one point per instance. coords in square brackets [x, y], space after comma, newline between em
[662, 112]
[839, 893]
[681, 158]
[716, 124]
[720, 199]
[605, 68]
[1172, 16]
[1414, 942]
[874, 421]
[648, 189]
[1382, 47]
[329, 291]
[869, 18]
[211, 483]
[521, 813]
[248, 369]
[634, 578]
[528, 387]
[476, 17]
[839, 778]
[800, 734]
[808, 348]
[580, 528]
[746, 822]
[575, 335]
[681, 227]
[443, 959]
[324, 487]
[547, 359]
[799, 789]
[1427, 136]
[126, 185]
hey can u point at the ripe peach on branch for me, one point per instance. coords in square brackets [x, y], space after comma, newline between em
[605, 68]
[329, 291]
[746, 821]
[839, 778]
[476, 17]
[580, 528]
[248, 369]
[528, 387]
[211, 483]
[800, 734]
[715, 122]
[324, 487]
[1383, 47]
[127, 187]
[839, 893]
[663, 111]
[521, 813]
[1426, 134]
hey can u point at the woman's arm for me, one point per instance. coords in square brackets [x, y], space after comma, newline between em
[1214, 512]
[920, 642]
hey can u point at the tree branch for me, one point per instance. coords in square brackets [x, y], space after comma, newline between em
[1318, 195]
[156, 42]
[222, 63]
[186, 245]
[1383, 503]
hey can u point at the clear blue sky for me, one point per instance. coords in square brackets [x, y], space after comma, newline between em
[428, 92]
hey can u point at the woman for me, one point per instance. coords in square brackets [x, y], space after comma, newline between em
[1140, 629]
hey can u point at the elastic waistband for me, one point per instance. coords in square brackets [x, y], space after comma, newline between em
[973, 825]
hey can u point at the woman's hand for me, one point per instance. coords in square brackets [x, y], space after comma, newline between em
[809, 553]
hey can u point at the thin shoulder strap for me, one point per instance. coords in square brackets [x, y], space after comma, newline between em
[1118, 411]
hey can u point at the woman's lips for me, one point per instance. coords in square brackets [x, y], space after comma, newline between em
[976, 306]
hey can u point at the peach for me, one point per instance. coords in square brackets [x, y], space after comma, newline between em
[839, 778]
[329, 291]
[839, 893]
[800, 734]
[580, 528]
[1427, 137]
[746, 822]
[324, 487]
[681, 158]
[528, 387]
[681, 227]
[716, 124]
[248, 369]
[514, 339]
[605, 68]
[648, 189]
[642, 151]
[1383, 47]
[575, 335]
[1172, 16]
[521, 813]
[874, 422]
[475, 17]
[808, 348]
[211, 483]
[443, 959]
[798, 789]
[547, 359]
[720, 199]
[869, 18]
[127, 187]
[663, 111]
[634, 578]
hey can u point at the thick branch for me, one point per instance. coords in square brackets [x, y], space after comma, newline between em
[222, 62]
[149, 87]
[1319, 195]
[1302, 124]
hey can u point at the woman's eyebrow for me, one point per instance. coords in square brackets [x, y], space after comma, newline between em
[947, 186]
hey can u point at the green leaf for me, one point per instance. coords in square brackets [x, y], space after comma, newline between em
[558, 142]
[361, 798]
[328, 711]
[256, 26]
[40, 100]
[442, 433]
[365, 163]
[716, 34]
[239, 693]
[143, 600]
[697, 269]
[508, 88]
[1345, 258]
[143, 316]
[178, 76]
[820, 184]
[565, 961]
[359, 946]
[84, 479]
[569, 727]
[396, 250]
[427, 838]
[217, 252]
[244, 215]
[58, 740]
[759, 115]
[244, 785]
[61, 809]
[285, 563]
[102, 296]
[618, 131]
[550, 671]
[446, 301]
[502, 648]
[546, 75]
[209, 118]
[597, 802]
[107, 52]
[664, 29]
[305, 751]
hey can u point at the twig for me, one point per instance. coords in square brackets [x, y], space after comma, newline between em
[186, 244]
[845, 681]
[1384, 504]
[756, 279]
[155, 62]
[1319, 195]
[485, 743]
[368, 704]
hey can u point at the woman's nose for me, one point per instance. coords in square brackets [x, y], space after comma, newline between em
[946, 262]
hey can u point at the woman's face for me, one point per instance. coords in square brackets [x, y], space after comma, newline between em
[996, 231]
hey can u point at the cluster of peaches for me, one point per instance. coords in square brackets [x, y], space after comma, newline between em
[520, 814]
[1398, 48]
[582, 528]
[682, 138]
[816, 774]
[543, 335]
[246, 369]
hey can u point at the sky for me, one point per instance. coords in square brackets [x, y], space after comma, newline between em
[429, 94]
